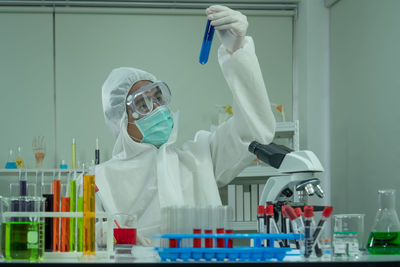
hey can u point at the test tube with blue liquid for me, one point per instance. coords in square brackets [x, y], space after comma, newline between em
[207, 41]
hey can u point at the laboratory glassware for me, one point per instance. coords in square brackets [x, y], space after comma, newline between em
[11, 163]
[228, 225]
[65, 221]
[89, 214]
[22, 237]
[125, 229]
[73, 206]
[326, 213]
[47, 193]
[73, 153]
[308, 215]
[19, 161]
[56, 208]
[79, 226]
[63, 165]
[39, 150]
[97, 152]
[296, 223]
[385, 234]
[207, 41]
[348, 234]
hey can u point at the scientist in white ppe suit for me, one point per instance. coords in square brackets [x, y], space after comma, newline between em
[146, 173]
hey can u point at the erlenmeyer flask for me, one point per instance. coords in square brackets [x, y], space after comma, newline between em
[11, 163]
[385, 233]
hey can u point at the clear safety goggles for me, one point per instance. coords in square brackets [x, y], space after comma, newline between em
[143, 100]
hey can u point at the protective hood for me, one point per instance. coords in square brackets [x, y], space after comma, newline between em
[114, 92]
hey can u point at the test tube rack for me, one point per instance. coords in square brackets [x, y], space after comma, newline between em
[258, 253]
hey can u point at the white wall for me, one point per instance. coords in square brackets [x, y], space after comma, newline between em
[89, 43]
[365, 93]
[311, 83]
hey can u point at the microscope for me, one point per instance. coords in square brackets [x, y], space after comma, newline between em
[296, 181]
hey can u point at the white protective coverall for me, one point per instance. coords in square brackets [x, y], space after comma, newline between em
[141, 179]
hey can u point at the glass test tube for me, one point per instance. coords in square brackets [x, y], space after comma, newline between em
[97, 153]
[56, 208]
[173, 243]
[220, 226]
[208, 242]
[88, 214]
[79, 236]
[23, 192]
[22, 184]
[47, 193]
[65, 207]
[196, 226]
[228, 210]
[73, 154]
[72, 195]
[207, 41]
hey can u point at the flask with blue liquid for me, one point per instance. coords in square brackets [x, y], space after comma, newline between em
[11, 163]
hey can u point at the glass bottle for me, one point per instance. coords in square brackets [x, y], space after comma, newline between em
[385, 233]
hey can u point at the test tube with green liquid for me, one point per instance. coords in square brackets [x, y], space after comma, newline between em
[79, 236]
[72, 194]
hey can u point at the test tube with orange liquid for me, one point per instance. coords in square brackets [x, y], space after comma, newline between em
[56, 208]
[88, 214]
[65, 226]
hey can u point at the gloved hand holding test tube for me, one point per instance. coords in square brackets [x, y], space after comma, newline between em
[231, 29]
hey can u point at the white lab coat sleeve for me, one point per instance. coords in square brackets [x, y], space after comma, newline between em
[252, 118]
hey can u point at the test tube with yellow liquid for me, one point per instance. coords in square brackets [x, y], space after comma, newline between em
[73, 154]
[88, 215]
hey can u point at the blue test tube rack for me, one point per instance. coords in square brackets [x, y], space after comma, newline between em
[258, 253]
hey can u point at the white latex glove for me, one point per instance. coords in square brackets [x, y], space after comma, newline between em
[231, 26]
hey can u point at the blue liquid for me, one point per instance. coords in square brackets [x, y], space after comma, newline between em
[11, 165]
[207, 41]
[63, 166]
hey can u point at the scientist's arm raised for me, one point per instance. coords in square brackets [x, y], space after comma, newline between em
[252, 115]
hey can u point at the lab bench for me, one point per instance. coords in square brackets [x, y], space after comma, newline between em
[57, 259]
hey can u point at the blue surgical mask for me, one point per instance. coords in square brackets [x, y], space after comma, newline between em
[156, 127]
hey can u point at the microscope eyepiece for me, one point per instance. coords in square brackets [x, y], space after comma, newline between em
[271, 154]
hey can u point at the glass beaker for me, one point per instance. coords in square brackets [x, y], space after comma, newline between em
[125, 232]
[385, 233]
[348, 234]
[22, 238]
